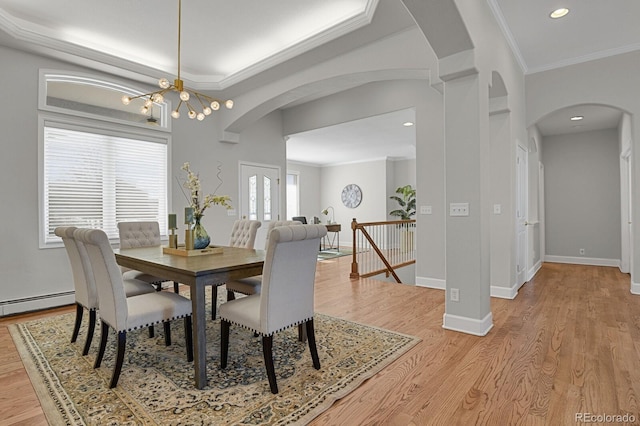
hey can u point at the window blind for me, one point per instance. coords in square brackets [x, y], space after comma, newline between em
[98, 180]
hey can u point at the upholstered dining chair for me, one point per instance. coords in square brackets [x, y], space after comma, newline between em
[86, 294]
[125, 314]
[243, 234]
[251, 285]
[141, 234]
[286, 297]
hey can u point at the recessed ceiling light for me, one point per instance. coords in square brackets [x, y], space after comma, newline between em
[559, 13]
[576, 118]
[407, 124]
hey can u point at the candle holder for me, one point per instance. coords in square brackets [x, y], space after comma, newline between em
[173, 239]
[188, 238]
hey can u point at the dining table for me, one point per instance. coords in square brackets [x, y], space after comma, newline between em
[197, 272]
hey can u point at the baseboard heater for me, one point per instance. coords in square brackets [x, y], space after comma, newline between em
[29, 304]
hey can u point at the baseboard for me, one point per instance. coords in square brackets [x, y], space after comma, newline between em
[534, 270]
[431, 283]
[583, 260]
[29, 304]
[504, 292]
[635, 288]
[468, 325]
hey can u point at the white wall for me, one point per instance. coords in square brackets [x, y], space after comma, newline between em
[582, 188]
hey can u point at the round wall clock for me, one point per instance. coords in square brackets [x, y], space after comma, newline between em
[351, 196]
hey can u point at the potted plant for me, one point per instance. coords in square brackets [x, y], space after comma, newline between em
[406, 199]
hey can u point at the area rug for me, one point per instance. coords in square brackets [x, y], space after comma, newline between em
[156, 386]
[332, 254]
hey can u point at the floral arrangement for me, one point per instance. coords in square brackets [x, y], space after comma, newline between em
[195, 199]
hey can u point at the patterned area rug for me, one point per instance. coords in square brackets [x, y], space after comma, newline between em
[333, 253]
[156, 385]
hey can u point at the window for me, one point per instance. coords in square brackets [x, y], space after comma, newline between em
[293, 194]
[97, 178]
[99, 162]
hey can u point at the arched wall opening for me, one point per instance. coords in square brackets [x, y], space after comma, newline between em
[584, 178]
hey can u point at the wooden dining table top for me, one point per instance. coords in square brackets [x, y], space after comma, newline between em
[187, 268]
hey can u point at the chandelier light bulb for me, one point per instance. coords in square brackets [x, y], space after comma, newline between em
[164, 83]
[157, 98]
[229, 104]
[200, 116]
[215, 105]
[184, 96]
[148, 103]
[206, 111]
[126, 100]
[192, 114]
[175, 114]
[144, 109]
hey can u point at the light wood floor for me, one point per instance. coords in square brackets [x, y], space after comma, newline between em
[569, 343]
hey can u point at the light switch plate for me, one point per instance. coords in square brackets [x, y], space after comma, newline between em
[459, 209]
[497, 209]
[425, 210]
[231, 212]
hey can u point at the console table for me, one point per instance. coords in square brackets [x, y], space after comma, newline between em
[331, 242]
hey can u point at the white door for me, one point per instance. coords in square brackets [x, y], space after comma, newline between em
[521, 216]
[259, 196]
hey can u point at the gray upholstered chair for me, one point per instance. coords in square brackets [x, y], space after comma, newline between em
[286, 298]
[251, 285]
[125, 314]
[86, 294]
[243, 234]
[141, 234]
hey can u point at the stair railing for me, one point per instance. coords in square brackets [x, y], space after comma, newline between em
[382, 247]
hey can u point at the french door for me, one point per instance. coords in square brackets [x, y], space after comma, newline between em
[259, 196]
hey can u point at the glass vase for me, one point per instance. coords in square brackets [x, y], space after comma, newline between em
[200, 237]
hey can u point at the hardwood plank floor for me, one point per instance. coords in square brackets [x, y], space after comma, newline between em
[568, 344]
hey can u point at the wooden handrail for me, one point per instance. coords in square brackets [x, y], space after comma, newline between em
[388, 268]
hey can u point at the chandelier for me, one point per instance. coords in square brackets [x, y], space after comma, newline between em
[189, 97]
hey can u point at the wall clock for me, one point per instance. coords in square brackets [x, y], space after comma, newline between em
[351, 196]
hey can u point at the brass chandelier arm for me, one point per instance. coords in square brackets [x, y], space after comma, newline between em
[184, 93]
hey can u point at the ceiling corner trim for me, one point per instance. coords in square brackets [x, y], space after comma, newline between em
[504, 27]
[586, 58]
[329, 34]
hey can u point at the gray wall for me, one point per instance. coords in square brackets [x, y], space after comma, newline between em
[582, 190]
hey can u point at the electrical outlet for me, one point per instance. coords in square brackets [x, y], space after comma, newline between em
[497, 209]
[454, 295]
[582, 252]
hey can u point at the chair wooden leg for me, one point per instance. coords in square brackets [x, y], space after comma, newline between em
[92, 326]
[302, 333]
[311, 337]
[76, 326]
[224, 343]
[267, 352]
[176, 287]
[214, 301]
[122, 343]
[167, 333]
[231, 295]
[151, 332]
[103, 344]
[158, 286]
[188, 338]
